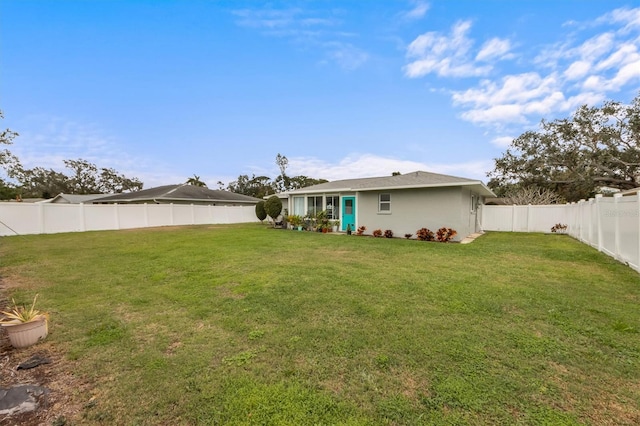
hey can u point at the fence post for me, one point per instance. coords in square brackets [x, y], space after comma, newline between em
[193, 215]
[83, 225]
[599, 220]
[41, 223]
[638, 208]
[117, 214]
[513, 218]
[146, 215]
[582, 221]
[528, 218]
[616, 200]
[171, 214]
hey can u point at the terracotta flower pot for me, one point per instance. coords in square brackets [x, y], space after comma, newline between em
[27, 333]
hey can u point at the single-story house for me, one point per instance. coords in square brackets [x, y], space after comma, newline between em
[400, 203]
[180, 194]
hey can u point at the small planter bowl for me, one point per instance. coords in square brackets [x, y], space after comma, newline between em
[27, 333]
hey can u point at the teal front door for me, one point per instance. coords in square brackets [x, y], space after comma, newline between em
[348, 213]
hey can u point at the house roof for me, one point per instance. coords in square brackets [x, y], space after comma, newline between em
[633, 191]
[179, 193]
[411, 180]
[75, 198]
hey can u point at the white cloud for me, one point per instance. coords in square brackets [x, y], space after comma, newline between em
[444, 55]
[629, 17]
[516, 97]
[584, 68]
[308, 29]
[595, 47]
[502, 141]
[71, 140]
[496, 48]
[577, 70]
[512, 89]
[370, 165]
[625, 54]
[346, 55]
[418, 12]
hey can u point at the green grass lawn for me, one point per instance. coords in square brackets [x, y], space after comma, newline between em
[244, 324]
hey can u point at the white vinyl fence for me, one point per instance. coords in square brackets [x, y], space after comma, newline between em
[45, 218]
[610, 224]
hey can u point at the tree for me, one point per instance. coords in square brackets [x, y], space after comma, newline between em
[261, 186]
[261, 213]
[254, 186]
[195, 181]
[576, 157]
[7, 160]
[85, 178]
[301, 181]
[273, 207]
[532, 195]
[282, 182]
[111, 181]
[38, 182]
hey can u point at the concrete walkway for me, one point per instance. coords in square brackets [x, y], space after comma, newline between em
[470, 238]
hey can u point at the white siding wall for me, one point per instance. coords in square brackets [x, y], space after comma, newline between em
[412, 209]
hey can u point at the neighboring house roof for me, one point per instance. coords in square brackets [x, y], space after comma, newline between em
[411, 180]
[179, 193]
[74, 198]
[498, 201]
[633, 191]
[24, 200]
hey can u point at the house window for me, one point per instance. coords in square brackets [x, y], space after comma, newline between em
[333, 207]
[473, 204]
[298, 206]
[384, 205]
[348, 207]
[314, 205]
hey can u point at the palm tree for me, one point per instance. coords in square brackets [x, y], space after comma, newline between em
[195, 181]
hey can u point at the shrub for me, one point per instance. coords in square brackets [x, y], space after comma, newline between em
[273, 207]
[445, 234]
[559, 227]
[377, 233]
[361, 230]
[408, 236]
[388, 233]
[424, 234]
[261, 213]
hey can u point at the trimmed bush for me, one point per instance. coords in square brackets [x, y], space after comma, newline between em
[273, 207]
[388, 233]
[424, 234]
[261, 213]
[445, 234]
[377, 233]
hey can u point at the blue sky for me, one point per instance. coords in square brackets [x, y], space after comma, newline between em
[163, 90]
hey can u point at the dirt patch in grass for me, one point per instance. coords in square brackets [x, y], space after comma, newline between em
[67, 392]
[227, 291]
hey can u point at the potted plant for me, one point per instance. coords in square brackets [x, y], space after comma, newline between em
[296, 222]
[336, 225]
[25, 326]
[323, 221]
